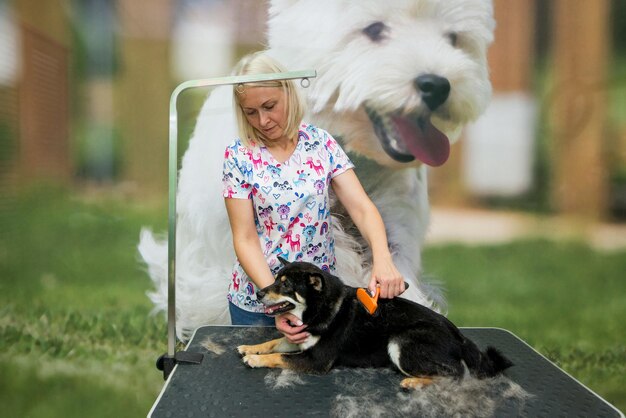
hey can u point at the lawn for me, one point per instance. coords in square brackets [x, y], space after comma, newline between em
[77, 338]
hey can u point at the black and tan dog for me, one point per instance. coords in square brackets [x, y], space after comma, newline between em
[421, 343]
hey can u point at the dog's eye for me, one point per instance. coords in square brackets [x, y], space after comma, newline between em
[375, 31]
[453, 38]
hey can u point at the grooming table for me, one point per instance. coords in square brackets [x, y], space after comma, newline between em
[223, 386]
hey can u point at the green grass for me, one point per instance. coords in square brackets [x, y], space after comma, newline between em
[563, 298]
[77, 338]
[76, 335]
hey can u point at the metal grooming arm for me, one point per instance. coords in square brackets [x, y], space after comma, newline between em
[166, 362]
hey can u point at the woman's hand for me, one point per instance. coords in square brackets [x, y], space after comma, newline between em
[386, 276]
[366, 217]
[292, 328]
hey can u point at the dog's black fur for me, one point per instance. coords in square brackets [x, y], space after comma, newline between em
[344, 334]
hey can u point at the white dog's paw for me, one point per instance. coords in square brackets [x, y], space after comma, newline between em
[246, 349]
[265, 360]
[253, 360]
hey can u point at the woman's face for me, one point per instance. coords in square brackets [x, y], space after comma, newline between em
[265, 109]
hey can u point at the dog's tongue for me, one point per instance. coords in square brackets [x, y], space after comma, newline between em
[427, 143]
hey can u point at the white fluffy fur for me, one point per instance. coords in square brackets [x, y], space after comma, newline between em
[446, 397]
[326, 35]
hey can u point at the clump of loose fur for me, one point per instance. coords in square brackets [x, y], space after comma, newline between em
[366, 391]
[469, 397]
[222, 343]
[212, 346]
[285, 378]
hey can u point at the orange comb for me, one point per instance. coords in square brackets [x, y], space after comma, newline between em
[369, 302]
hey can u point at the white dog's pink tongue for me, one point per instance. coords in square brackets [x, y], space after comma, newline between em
[427, 143]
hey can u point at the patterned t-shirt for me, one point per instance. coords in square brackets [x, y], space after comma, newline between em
[291, 203]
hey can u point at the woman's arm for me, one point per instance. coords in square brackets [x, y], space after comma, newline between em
[367, 219]
[246, 242]
[250, 256]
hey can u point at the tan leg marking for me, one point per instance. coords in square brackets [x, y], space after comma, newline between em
[416, 382]
[264, 348]
[274, 360]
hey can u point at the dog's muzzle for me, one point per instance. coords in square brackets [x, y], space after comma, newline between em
[275, 308]
[279, 308]
[406, 137]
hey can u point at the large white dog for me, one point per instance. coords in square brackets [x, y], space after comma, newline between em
[397, 80]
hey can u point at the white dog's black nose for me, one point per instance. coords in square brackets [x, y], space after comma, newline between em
[433, 88]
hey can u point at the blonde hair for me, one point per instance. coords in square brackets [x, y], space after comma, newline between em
[260, 63]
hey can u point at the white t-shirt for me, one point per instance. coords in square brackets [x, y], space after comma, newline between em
[291, 204]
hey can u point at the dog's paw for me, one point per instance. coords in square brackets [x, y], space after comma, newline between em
[247, 349]
[272, 360]
[252, 360]
[411, 383]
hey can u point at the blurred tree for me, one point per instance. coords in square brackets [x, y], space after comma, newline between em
[95, 53]
[44, 146]
[581, 48]
[143, 90]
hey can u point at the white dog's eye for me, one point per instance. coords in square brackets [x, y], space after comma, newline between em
[375, 31]
[453, 38]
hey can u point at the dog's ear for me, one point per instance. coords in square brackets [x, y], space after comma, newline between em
[283, 261]
[316, 282]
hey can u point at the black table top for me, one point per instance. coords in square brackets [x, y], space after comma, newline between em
[222, 386]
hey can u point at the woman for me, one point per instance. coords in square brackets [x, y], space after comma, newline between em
[276, 180]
